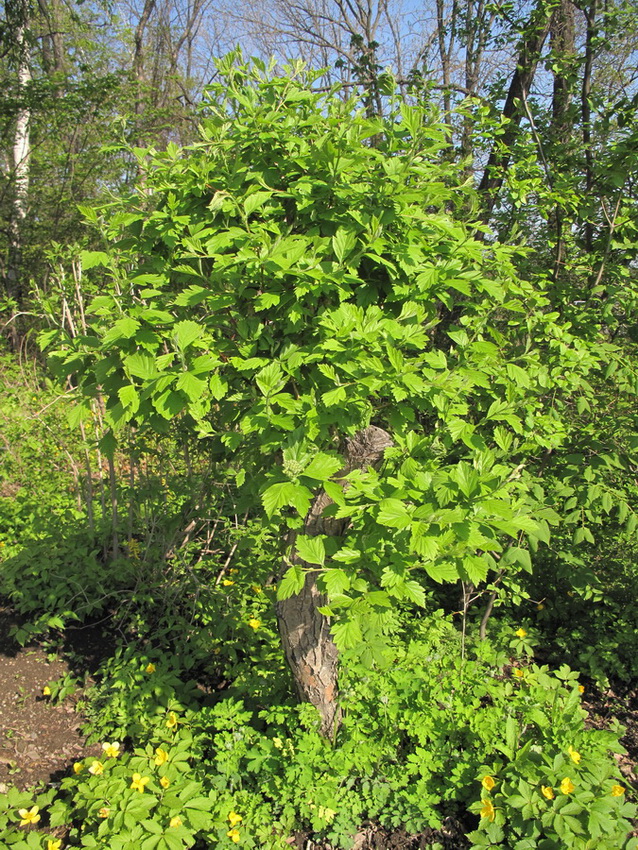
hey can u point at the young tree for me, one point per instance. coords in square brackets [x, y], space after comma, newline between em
[279, 290]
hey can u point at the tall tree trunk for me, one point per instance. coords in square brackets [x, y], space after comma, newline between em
[563, 50]
[14, 274]
[528, 56]
[590, 17]
[305, 632]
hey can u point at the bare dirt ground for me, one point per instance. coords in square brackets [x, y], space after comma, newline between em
[39, 740]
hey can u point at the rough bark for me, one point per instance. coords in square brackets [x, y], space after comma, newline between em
[305, 632]
[513, 108]
[563, 50]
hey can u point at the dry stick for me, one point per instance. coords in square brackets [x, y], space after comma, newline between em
[89, 481]
[115, 546]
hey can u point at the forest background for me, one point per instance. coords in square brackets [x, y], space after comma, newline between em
[482, 411]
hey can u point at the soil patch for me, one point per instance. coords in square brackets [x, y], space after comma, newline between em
[39, 740]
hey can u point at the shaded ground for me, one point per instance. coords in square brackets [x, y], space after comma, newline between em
[39, 740]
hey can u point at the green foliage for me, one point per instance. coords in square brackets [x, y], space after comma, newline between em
[284, 282]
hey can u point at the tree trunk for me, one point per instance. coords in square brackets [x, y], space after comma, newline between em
[14, 275]
[520, 85]
[562, 36]
[305, 632]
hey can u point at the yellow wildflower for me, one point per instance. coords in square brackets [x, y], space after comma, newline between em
[161, 757]
[171, 720]
[488, 811]
[78, 767]
[488, 782]
[139, 782]
[234, 818]
[227, 582]
[567, 786]
[256, 588]
[104, 812]
[165, 782]
[547, 792]
[96, 768]
[54, 844]
[617, 790]
[520, 633]
[254, 623]
[518, 673]
[233, 834]
[150, 667]
[574, 755]
[581, 689]
[112, 750]
[175, 822]
[29, 816]
[46, 691]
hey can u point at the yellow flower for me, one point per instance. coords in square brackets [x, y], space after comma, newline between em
[254, 623]
[521, 633]
[165, 781]
[574, 755]
[581, 689]
[617, 790]
[150, 667]
[227, 582]
[234, 818]
[96, 768]
[547, 792]
[104, 812]
[53, 844]
[175, 822]
[233, 834]
[567, 786]
[488, 782]
[46, 691]
[161, 757]
[29, 816]
[112, 750]
[78, 767]
[488, 811]
[171, 720]
[518, 673]
[256, 588]
[139, 782]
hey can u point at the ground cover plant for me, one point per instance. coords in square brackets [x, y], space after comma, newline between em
[348, 420]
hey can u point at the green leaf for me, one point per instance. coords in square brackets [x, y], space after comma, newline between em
[442, 571]
[347, 635]
[186, 332]
[336, 581]
[270, 379]
[343, 243]
[393, 514]
[255, 200]
[190, 385]
[322, 467]
[333, 397]
[91, 259]
[291, 583]
[124, 328]
[475, 568]
[218, 387]
[141, 366]
[129, 397]
[277, 496]
[311, 549]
